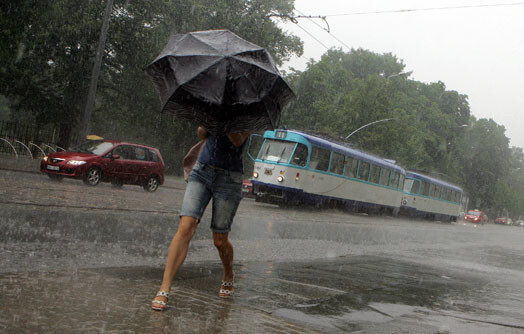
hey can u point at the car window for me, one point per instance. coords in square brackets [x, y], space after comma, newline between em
[125, 152]
[94, 147]
[153, 156]
[140, 153]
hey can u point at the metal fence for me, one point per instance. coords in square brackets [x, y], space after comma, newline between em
[30, 141]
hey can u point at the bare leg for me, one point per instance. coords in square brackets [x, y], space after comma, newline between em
[177, 252]
[225, 250]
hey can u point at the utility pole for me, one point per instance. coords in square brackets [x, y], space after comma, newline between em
[96, 72]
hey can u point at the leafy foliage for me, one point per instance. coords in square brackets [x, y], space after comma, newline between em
[48, 49]
[344, 91]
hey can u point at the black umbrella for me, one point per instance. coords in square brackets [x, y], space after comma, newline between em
[220, 81]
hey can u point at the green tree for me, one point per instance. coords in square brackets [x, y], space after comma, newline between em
[48, 50]
[485, 158]
[343, 91]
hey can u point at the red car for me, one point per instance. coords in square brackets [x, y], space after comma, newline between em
[504, 221]
[247, 189]
[107, 161]
[476, 216]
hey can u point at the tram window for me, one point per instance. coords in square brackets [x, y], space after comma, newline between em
[425, 188]
[300, 156]
[363, 171]
[276, 150]
[408, 185]
[375, 174]
[337, 163]
[394, 180]
[436, 192]
[384, 177]
[401, 182]
[415, 188]
[319, 159]
[351, 167]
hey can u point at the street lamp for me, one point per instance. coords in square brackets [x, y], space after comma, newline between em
[375, 122]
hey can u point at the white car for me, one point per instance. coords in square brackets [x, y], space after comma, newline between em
[519, 222]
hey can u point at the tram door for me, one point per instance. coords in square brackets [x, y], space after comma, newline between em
[320, 182]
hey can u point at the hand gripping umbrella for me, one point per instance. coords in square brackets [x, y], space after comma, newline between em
[219, 81]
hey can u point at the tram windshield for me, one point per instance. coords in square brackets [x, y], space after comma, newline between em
[276, 150]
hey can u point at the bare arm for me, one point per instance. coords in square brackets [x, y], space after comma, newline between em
[202, 133]
[238, 138]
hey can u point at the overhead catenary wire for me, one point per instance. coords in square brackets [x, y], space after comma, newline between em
[293, 19]
[327, 30]
[424, 9]
[311, 35]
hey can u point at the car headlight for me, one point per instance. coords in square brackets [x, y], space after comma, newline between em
[76, 162]
[44, 158]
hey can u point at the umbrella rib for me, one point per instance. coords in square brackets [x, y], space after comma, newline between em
[253, 63]
[207, 68]
[207, 44]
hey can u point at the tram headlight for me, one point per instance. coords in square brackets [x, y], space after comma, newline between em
[255, 175]
[280, 178]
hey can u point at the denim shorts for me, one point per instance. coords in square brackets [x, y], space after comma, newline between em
[225, 187]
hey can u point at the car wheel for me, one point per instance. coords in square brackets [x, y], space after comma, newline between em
[56, 177]
[152, 184]
[117, 183]
[93, 176]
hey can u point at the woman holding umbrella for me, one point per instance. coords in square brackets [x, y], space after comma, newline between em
[218, 175]
[228, 86]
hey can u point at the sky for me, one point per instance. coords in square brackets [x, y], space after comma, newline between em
[477, 51]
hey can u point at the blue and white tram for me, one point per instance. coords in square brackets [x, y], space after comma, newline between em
[427, 197]
[298, 168]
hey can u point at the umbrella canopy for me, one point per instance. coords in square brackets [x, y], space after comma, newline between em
[220, 81]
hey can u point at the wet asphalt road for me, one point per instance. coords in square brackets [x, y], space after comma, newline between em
[76, 258]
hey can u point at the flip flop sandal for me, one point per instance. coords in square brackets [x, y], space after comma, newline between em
[226, 292]
[159, 305]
